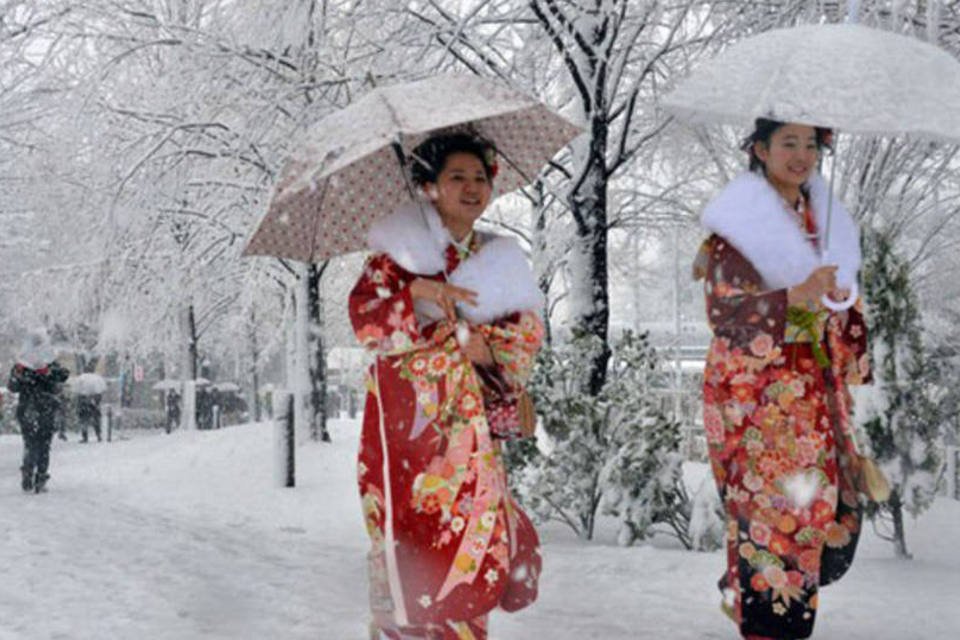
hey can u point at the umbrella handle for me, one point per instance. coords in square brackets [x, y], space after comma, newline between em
[843, 305]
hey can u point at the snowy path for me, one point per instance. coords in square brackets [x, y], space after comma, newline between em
[184, 536]
[137, 547]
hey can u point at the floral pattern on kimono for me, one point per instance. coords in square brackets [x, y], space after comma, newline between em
[793, 517]
[449, 543]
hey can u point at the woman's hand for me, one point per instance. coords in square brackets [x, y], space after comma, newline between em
[839, 295]
[444, 294]
[477, 350]
[823, 281]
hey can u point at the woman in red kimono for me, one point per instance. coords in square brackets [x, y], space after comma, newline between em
[451, 314]
[775, 382]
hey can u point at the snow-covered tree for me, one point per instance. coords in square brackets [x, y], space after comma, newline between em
[902, 414]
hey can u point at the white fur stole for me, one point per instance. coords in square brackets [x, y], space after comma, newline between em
[415, 238]
[750, 215]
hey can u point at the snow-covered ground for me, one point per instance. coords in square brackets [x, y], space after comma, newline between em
[186, 536]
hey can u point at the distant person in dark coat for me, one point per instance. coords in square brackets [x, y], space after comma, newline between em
[173, 410]
[38, 380]
[88, 415]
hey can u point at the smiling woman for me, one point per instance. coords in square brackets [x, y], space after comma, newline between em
[451, 314]
[775, 382]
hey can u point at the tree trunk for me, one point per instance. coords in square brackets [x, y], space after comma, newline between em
[539, 257]
[255, 366]
[191, 334]
[318, 373]
[188, 412]
[899, 534]
[299, 374]
[591, 301]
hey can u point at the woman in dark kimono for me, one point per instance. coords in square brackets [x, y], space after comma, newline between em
[775, 382]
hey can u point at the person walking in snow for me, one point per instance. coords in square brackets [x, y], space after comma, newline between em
[88, 415]
[451, 314]
[775, 382]
[37, 379]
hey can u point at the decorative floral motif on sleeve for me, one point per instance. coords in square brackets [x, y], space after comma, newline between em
[381, 308]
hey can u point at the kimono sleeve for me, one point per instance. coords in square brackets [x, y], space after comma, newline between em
[737, 307]
[514, 342]
[848, 346]
[381, 307]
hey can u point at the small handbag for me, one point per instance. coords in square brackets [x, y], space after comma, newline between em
[871, 480]
[511, 418]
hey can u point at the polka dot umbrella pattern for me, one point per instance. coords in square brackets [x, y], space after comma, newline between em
[346, 173]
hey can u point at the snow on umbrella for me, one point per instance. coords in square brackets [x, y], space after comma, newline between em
[36, 350]
[347, 172]
[88, 384]
[167, 385]
[842, 76]
[226, 387]
[845, 77]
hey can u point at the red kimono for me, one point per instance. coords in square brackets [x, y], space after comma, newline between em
[793, 518]
[449, 543]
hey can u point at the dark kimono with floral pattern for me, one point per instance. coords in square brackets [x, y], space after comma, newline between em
[793, 516]
[448, 541]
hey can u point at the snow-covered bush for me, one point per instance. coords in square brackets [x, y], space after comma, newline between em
[614, 453]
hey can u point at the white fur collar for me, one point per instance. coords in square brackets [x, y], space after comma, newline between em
[502, 278]
[415, 238]
[749, 213]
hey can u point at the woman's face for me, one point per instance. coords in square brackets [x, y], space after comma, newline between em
[462, 191]
[791, 155]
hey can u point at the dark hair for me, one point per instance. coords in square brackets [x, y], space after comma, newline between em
[430, 156]
[763, 130]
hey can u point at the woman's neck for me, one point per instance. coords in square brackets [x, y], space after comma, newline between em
[789, 192]
[460, 232]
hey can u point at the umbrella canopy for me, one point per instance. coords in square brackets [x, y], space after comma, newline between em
[88, 384]
[36, 350]
[226, 387]
[167, 385]
[346, 173]
[843, 76]
[176, 385]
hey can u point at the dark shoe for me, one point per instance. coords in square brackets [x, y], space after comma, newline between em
[26, 481]
[41, 484]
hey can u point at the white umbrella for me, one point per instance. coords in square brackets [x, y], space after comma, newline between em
[845, 77]
[167, 385]
[347, 173]
[226, 387]
[36, 350]
[88, 384]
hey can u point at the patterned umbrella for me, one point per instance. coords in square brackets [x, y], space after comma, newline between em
[347, 172]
